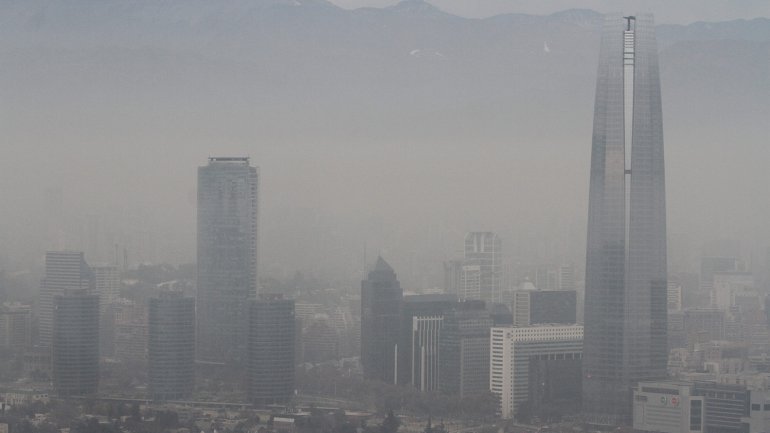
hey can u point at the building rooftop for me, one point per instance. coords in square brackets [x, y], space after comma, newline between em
[242, 159]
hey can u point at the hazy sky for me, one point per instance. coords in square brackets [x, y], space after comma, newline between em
[402, 136]
[667, 11]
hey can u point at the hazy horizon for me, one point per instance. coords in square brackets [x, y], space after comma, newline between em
[398, 131]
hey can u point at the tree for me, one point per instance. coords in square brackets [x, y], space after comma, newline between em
[483, 405]
[63, 413]
[524, 412]
[166, 419]
[390, 424]
[441, 428]
[136, 415]
[428, 428]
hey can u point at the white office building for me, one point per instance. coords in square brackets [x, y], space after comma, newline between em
[551, 354]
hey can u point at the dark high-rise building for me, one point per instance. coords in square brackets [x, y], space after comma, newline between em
[418, 306]
[271, 352]
[63, 270]
[75, 345]
[227, 256]
[532, 307]
[625, 290]
[726, 407]
[424, 349]
[381, 317]
[464, 349]
[501, 314]
[171, 346]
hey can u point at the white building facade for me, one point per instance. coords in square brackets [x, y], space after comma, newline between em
[513, 351]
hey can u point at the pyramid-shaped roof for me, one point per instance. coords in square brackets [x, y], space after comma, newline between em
[382, 265]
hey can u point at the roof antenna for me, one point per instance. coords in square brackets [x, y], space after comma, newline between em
[629, 19]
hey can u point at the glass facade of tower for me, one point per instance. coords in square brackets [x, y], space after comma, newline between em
[171, 346]
[272, 344]
[625, 303]
[75, 345]
[381, 316]
[64, 270]
[227, 257]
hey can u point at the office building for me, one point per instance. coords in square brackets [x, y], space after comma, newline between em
[703, 406]
[15, 327]
[271, 354]
[626, 275]
[130, 333]
[63, 270]
[501, 314]
[481, 273]
[227, 256]
[668, 407]
[711, 265]
[306, 312]
[674, 296]
[703, 324]
[726, 286]
[759, 411]
[426, 333]
[567, 277]
[464, 349]
[453, 276]
[546, 277]
[381, 321]
[431, 305]
[75, 345]
[726, 407]
[532, 307]
[539, 364]
[675, 329]
[171, 346]
[320, 340]
[342, 321]
[106, 284]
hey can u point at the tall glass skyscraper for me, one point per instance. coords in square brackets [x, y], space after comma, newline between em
[382, 302]
[63, 270]
[272, 345]
[625, 300]
[171, 346]
[227, 257]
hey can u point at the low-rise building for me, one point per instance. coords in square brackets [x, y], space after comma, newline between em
[667, 407]
[20, 397]
[723, 404]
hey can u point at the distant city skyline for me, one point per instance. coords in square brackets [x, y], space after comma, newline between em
[147, 288]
